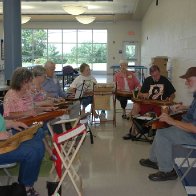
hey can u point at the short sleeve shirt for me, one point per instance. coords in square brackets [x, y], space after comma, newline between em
[190, 116]
[89, 82]
[2, 124]
[38, 95]
[158, 90]
[53, 88]
[14, 103]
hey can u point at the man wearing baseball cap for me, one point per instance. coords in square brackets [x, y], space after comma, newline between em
[180, 132]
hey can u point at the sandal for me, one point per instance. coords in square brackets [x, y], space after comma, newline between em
[124, 116]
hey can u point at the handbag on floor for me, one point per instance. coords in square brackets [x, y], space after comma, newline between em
[13, 190]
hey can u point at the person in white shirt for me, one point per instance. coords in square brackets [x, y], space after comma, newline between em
[84, 83]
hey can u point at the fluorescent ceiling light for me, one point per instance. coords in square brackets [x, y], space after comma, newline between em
[85, 19]
[74, 9]
[27, 7]
[25, 19]
[93, 7]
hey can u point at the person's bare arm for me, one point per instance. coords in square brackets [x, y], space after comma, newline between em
[188, 127]
[4, 135]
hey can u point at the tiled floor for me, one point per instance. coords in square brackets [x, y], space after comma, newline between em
[110, 167]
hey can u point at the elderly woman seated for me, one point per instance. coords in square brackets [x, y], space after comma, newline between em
[19, 101]
[86, 79]
[29, 155]
[125, 81]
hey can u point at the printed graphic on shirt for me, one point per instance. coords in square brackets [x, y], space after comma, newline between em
[87, 85]
[156, 91]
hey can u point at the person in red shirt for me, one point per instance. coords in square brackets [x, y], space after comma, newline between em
[125, 81]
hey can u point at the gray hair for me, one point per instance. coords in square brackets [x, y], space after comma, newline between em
[20, 76]
[38, 70]
[48, 64]
[122, 61]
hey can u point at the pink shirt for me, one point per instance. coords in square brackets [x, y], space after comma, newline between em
[14, 103]
[38, 94]
[132, 81]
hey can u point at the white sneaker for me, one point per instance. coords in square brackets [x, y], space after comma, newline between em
[102, 117]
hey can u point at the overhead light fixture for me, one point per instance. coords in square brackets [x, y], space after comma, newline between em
[85, 19]
[27, 7]
[75, 9]
[25, 19]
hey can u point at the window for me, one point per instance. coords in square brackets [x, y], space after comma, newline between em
[65, 47]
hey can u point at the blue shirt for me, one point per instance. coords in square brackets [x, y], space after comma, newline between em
[190, 116]
[53, 88]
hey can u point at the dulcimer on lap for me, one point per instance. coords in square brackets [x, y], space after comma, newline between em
[156, 124]
[14, 141]
[62, 104]
[45, 116]
[127, 94]
[153, 102]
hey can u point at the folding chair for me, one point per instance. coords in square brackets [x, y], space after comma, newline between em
[187, 161]
[184, 157]
[68, 75]
[67, 145]
[5, 168]
[143, 131]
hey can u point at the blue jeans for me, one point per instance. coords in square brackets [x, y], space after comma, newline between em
[86, 101]
[161, 149]
[29, 155]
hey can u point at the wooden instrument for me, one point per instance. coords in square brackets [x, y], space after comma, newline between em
[156, 124]
[153, 102]
[104, 87]
[127, 94]
[14, 141]
[42, 117]
[63, 104]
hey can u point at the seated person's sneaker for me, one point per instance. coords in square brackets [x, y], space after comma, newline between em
[148, 163]
[96, 115]
[102, 117]
[129, 116]
[128, 136]
[32, 192]
[163, 176]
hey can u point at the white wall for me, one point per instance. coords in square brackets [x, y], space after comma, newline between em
[169, 29]
[117, 33]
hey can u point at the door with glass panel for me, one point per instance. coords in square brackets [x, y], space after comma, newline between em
[131, 52]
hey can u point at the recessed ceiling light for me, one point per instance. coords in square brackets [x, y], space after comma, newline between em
[93, 7]
[27, 7]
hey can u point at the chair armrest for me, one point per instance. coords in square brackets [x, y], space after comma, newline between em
[189, 146]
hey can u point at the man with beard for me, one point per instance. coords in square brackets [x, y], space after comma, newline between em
[180, 132]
